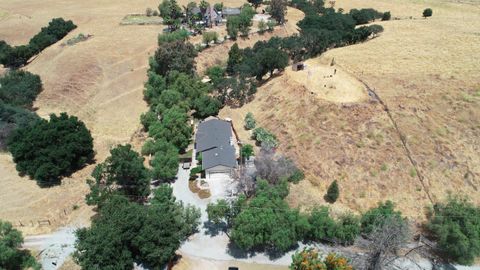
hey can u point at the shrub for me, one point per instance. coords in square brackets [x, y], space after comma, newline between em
[333, 192]
[456, 226]
[249, 121]
[177, 35]
[310, 259]
[386, 16]
[48, 150]
[347, 229]
[20, 88]
[296, 176]
[375, 217]
[149, 12]
[428, 12]
[196, 170]
[262, 26]
[265, 138]
[208, 37]
[270, 25]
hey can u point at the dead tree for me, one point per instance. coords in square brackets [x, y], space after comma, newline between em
[273, 167]
[386, 240]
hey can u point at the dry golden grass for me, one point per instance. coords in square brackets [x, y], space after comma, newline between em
[427, 72]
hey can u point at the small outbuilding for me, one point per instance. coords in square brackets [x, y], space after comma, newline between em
[298, 66]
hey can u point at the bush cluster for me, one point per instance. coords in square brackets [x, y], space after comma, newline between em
[265, 138]
[15, 57]
[266, 222]
[456, 225]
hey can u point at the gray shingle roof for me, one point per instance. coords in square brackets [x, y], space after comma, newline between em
[223, 155]
[231, 11]
[213, 141]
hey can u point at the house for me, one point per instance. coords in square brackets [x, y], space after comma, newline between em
[227, 12]
[212, 17]
[217, 142]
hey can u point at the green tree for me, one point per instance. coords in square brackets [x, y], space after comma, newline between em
[20, 88]
[218, 6]
[333, 192]
[375, 217]
[173, 220]
[428, 12]
[165, 161]
[48, 150]
[278, 10]
[216, 74]
[245, 20]
[206, 106]
[456, 226]
[267, 221]
[11, 256]
[177, 55]
[124, 232]
[247, 151]
[234, 58]
[123, 171]
[173, 128]
[233, 26]
[250, 122]
[255, 3]
[271, 59]
[386, 16]
[171, 13]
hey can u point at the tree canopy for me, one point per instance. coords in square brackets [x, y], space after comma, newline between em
[11, 256]
[15, 57]
[177, 55]
[20, 88]
[165, 161]
[124, 232]
[48, 150]
[123, 173]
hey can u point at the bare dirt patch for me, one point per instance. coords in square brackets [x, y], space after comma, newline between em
[329, 82]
